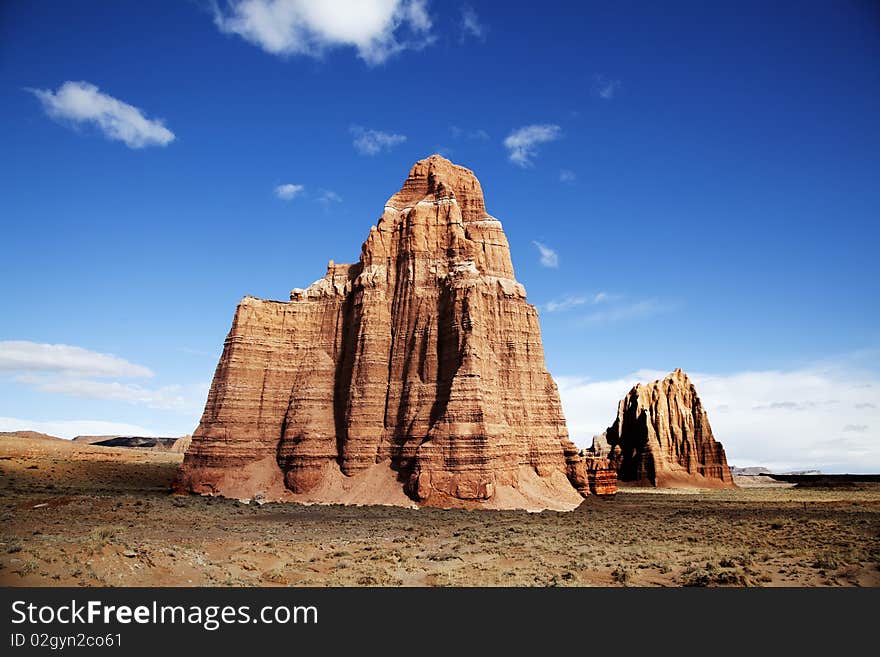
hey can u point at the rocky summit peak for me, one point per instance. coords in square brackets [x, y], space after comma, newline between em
[678, 377]
[435, 178]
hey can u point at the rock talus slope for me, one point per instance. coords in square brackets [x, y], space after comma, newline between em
[662, 437]
[415, 375]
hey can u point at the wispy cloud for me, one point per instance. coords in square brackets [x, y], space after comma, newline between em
[605, 307]
[628, 311]
[566, 176]
[328, 196]
[461, 133]
[288, 191]
[522, 144]
[72, 428]
[573, 301]
[566, 303]
[73, 371]
[604, 87]
[373, 142]
[781, 438]
[24, 356]
[549, 257]
[82, 103]
[167, 398]
[470, 23]
[376, 29]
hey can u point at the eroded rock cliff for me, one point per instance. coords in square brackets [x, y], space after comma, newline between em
[415, 375]
[662, 437]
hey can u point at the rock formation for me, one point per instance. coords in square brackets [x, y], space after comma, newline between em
[414, 375]
[601, 475]
[661, 437]
[181, 444]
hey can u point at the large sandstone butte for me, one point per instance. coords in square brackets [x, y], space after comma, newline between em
[415, 375]
[661, 437]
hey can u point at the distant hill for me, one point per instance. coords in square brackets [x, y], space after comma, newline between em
[748, 472]
[156, 443]
[91, 440]
[28, 434]
[761, 470]
[812, 479]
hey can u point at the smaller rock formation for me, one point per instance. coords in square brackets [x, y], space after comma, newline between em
[592, 473]
[601, 475]
[180, 445]
[661, 437]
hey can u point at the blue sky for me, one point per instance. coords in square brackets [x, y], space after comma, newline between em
[702, 179]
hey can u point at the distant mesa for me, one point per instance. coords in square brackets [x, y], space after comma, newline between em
[91, 440]
[752, 471]
[661, 437]
[413, 376]
[177, 444]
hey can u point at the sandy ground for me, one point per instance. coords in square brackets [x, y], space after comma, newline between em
[92, 516]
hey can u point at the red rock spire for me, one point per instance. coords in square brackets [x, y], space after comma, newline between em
[415, 375]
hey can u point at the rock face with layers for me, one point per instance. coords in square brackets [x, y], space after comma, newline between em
[601, 475]
[661, 437]
[414, 375]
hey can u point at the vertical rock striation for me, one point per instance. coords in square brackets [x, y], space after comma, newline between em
[414, 375]
[661, 437]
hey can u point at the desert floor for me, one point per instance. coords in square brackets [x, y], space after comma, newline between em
[96, 516]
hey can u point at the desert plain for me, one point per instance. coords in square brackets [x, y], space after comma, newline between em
[83, 515]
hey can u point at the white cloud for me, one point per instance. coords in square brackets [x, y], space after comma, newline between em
[460, 133]
[82, 102]
[72, 428]
[522, 144]
[328, 196]
[566, 303]
[626, 311]
[566, 176]
[166, 398]
[373, 142]
[549, 257]
[605, 88]
[24, 356]
[288, 191]
[572, 301]
[784, 420]
[377, 29]
[470, 23]
[77, 372]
